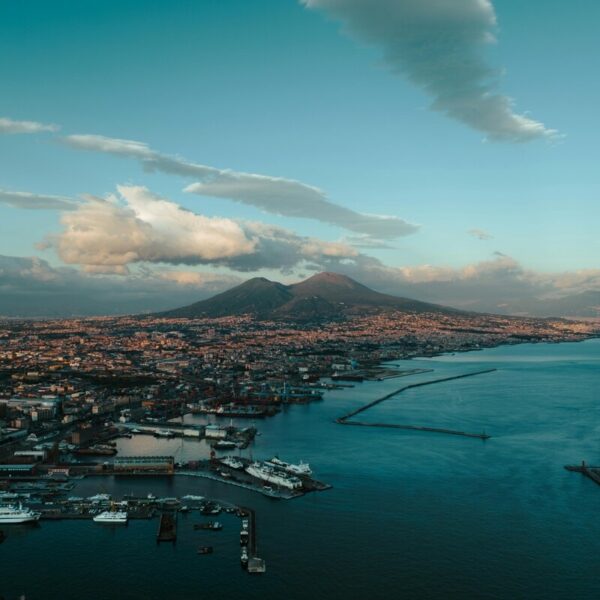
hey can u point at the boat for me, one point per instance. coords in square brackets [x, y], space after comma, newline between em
[112, 517]
[269, 474]
[164, 433]
[232, 462]
[100, 498]
[244, 557]
[192, 498]
[210, 526]
[224, 445]
[205, 550]
[10, 515]
[211, 508]
[301, 468]
[244, 533]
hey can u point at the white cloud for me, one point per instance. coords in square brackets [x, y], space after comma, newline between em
[108, 235]
[439, 46]
[9, 126]
[31, 201]
[275, 195]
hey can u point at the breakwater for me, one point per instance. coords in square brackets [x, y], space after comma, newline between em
[345, 419]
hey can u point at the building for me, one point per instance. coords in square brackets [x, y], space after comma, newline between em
[139, 464]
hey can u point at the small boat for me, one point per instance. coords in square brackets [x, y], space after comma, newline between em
[224, 445]
[244, 535]
[210, 526]
[244, 557]
[205, 550]
[184, 509]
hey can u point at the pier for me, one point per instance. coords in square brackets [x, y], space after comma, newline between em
[255, 564]
[345, 419]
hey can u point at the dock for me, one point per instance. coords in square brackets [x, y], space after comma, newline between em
[167, 527]
[345, 419]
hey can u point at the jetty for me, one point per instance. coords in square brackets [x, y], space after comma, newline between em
[255, 564]
[345, 419]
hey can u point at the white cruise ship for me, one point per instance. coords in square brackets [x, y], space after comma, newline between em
[300, 469]
[267, 473]
[116, 517]
[17, 514]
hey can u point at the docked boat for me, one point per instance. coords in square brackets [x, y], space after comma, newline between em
[244, 557]
[13, 515]
[232, 462]
[301, 468]
[269, 474]
[100, 498]
[244, 534]
[224, 445]
[112, 517]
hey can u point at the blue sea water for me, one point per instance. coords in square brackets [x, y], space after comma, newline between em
[411, 514]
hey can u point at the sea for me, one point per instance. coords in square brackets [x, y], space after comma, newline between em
[411, 514]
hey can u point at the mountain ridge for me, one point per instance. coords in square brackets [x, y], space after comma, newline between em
[325, 295]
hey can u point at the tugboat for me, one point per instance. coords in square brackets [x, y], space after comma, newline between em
[205, 550]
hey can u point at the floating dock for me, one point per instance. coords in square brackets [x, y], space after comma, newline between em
[345, 419]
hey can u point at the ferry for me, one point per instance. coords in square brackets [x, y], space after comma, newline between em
[17, 514]
[267, 473]
[300, 469]
[110, 517]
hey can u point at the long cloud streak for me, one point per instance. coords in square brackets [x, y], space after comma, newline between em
[439, 46]
[8, 126]
[276, 195]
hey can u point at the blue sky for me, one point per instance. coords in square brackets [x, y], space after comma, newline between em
[277, 88]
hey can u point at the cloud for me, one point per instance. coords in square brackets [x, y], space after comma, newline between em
[30, 201]
[108, 235]
[439, 46]
[499, 285]
[9, 126]
[275, 195]
[480, 234]
[30, 286]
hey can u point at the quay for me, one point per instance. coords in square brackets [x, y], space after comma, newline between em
[345, 419]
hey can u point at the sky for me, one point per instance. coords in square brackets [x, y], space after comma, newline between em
[154, 153]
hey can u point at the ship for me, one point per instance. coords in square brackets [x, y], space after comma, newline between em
[267, 473]
[300, 469]
[232, 462]
[112, 517]
[17, 514]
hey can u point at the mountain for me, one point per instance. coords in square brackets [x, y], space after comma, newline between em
[322, 296]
